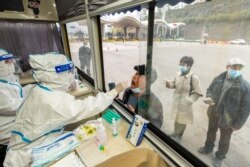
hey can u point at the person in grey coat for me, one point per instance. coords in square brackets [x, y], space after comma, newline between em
[228, 97]
[187, 91]
[85, 57]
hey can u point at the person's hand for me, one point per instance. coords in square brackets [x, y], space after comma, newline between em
[233, 129]
[121, 86]
[131, 108]
[209, 101]
[167, 83]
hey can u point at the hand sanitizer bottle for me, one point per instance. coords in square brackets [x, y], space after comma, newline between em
[114, 127]
[101, 137]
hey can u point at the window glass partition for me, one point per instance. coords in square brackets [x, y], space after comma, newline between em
[198, 91]
[124, 41]
[209, 33]
[80, 51]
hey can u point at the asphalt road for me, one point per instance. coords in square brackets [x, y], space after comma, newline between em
[209, 61]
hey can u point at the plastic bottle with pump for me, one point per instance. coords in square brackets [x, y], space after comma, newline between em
[114, 127]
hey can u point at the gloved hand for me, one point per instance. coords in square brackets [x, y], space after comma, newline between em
[209, 101]
[121, 86]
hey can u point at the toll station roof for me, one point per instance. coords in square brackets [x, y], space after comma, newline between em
[70, 8]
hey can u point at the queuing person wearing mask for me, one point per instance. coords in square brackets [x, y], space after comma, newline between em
[187, 91]
[11, 97]
[48, 108]
[228, 97]
[135, 98]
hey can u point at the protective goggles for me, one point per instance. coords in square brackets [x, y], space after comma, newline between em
[8, 61]
[6, 57]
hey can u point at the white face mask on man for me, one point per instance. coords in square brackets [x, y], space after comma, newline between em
[136, 90]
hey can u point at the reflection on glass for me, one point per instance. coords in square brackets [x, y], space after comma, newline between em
[212, 32]
[79, 45]
[124, 42]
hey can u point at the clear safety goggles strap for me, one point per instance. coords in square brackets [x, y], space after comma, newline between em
[64, 67]
[6, 57]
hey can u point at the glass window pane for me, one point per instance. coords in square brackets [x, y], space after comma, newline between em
[79, 45]
[211, 32]
[124, 40]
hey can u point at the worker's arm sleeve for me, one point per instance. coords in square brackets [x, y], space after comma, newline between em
[9, 105]
[76, 110]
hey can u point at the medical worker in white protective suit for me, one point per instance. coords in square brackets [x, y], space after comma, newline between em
[48, 108]
[11, 97]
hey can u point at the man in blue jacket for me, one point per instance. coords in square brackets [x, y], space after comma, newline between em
[228, 97]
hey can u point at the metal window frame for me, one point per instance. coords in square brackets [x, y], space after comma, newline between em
[118, 5]
[77, 18]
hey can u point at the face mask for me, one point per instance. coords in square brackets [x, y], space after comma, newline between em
[233, 73]
[62, 81]
[72, 82]
[12, 68]
[183, 69]
[67, 82]
[136, 90]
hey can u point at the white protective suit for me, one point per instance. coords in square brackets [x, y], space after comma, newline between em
[11, 97]
[43, 115]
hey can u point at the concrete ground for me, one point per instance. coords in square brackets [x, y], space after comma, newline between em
[210, 60]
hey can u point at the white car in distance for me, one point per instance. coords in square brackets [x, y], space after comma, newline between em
[237, 42]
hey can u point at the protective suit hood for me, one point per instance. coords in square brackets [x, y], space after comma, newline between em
[45, 70]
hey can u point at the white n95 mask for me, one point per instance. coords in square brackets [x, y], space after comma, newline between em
[136, 90]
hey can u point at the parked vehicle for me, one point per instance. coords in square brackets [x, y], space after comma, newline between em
[238, 42]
